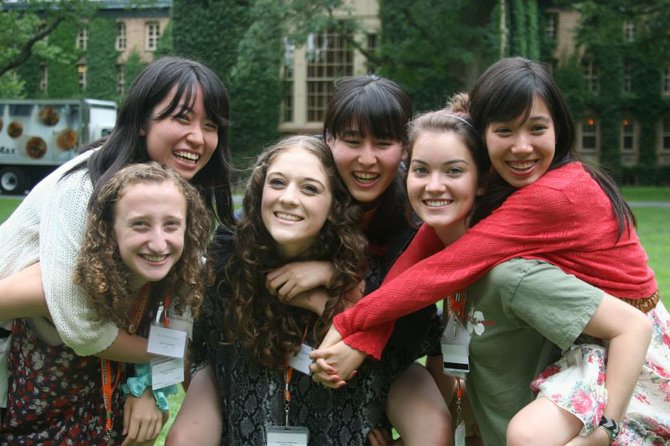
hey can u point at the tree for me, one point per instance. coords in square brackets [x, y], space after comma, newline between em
[434, 48]
[24, 27]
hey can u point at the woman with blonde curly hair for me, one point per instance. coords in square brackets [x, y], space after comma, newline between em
[296, 208]
[146, 234]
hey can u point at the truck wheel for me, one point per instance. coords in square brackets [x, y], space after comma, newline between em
[12, 181]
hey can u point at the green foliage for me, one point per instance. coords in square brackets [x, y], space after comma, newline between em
[11, 86]
[134, 66]
[601, 35]
[101, 60]
[433, 47]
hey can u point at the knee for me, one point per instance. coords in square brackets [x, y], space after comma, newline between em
[520, 433]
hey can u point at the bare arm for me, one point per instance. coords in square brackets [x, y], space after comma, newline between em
[199, 419]
[629, 333]
[22, 296]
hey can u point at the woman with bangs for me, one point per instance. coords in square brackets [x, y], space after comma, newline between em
[365, 127]
[176, 113]
[543, 205]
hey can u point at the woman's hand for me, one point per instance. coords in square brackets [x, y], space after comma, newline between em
[335, 365]
[287, 281]
[597, 437]
[142, 420]
[313, 300]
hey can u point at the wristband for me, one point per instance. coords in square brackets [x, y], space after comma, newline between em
[136, 385]
[610, 426]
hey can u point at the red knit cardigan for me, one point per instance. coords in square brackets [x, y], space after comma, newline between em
[563, 218]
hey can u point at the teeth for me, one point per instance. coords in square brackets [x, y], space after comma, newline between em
[437, 203]
[521, 165]
[189, 156]
[366, 177]
[285, 216]
[154, 258]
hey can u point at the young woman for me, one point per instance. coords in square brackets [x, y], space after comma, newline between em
[546, 194]
[365, 128]
[295, 209]
[146, 233]
[176, 113]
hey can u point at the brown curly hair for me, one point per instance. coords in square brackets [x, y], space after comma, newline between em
[100, 270]
[269, 329]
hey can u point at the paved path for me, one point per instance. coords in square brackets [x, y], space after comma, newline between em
[649, 204]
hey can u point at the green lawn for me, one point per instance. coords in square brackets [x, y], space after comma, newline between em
[653, 229]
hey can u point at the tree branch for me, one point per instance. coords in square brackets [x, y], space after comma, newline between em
[26, 49]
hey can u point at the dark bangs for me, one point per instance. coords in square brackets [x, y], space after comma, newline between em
[377, 108]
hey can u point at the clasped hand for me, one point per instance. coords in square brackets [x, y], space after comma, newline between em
[335, 362]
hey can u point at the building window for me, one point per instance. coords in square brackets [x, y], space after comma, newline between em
[590, 74]
[666, 135]
[40, 28]
[82, 39]
[81, 74]
[153, 33]
[666, 80]
[288, 105]
[121, 39]
[121, 79]
[329, 56]
[589, 135]
[628, 142]
[627, 77]
[551, 28]
[371, 47]
[629, 31]
[44, 77]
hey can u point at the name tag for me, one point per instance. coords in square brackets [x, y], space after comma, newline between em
[301, 360]
[287, 436]
[166, 372]
[455, 348]
[167, 342]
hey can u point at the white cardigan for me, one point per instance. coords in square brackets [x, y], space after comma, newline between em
[48, 227]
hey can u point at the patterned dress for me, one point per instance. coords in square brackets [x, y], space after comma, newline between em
[252, 396]
[55, 396]
[576, 383]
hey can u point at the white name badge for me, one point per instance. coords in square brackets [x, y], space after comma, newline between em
[287, 436]
[301, 360]
[459, 435]
[166, 371]
[455, 348]
[167, 342]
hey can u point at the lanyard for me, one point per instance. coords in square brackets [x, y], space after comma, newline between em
[456, 303]
[106, 365]
[288, 374]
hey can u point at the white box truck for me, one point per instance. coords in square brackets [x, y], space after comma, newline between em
[38, 135]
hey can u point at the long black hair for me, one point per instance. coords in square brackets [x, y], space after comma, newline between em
[506, 91]
[126, 145]
[377, 107]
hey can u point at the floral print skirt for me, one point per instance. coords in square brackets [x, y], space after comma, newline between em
[55, 396]
[576, 383]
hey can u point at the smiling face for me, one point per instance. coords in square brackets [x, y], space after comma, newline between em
[442, 182]
[367, 165]
[296, 200]
[521, 151]
[185, 140]
[149, 225]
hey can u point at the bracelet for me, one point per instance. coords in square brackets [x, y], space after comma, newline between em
[610, 427]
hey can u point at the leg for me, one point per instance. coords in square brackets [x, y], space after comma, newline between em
[199, 419]
[542, 423]
[417, 410]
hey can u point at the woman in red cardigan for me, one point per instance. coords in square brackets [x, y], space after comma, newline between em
[542, 204]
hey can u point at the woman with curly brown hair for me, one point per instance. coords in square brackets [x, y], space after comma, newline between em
[296, 208]
[146, 234]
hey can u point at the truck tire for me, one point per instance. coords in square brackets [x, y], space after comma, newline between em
[12, 181]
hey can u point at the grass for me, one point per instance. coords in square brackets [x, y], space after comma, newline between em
[653, 229]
